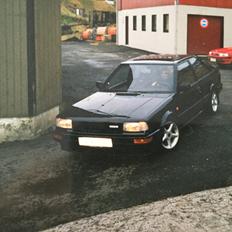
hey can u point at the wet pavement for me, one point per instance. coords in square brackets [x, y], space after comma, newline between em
[42, 186]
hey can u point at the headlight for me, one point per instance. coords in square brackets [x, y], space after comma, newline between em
[135, 126]
[223, 54]
[64, 123]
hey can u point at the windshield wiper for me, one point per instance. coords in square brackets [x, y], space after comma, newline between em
[110, 115]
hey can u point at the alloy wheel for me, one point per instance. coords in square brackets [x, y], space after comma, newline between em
[171, 136]
[214, 102]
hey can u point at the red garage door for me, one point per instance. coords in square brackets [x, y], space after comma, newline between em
[204, 33]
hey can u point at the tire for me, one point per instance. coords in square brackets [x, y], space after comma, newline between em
[213, 103]
[170, 136]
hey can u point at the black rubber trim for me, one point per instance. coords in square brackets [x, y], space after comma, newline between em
[31, 58]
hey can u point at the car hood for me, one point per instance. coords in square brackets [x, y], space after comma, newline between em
[122, 105]
[223, 50]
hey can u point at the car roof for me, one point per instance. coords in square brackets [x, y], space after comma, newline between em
[158, 59]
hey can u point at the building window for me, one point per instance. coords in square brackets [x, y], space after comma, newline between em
[153, 22]
[134, 23]
[166, 23]
[143, 23]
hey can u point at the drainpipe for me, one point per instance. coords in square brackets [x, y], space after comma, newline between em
[117, 21]
[118, 6]
[176, 25]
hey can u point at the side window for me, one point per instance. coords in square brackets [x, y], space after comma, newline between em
[185, 74]
[199, 67]
[119, 77]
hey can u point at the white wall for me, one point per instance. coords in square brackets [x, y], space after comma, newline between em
[182, 20]
[168, 42]
[147, 40]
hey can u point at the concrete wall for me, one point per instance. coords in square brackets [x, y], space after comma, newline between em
[147, 40]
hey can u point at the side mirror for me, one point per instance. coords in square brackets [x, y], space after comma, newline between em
[100, 85]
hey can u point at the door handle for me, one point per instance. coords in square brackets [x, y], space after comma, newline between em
[199, 89]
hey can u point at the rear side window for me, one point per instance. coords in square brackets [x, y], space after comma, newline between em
[199, 67]
[208, 64]
[185, 74]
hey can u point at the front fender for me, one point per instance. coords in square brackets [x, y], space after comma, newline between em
[167, 117]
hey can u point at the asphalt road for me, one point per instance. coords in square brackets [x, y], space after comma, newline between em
[42, 186]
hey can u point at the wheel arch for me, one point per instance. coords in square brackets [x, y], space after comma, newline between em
[213, 87]
[167, 117]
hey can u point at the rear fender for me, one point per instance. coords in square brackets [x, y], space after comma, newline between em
[215, 88]
[212, 87]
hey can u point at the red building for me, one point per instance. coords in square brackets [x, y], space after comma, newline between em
[175, 26]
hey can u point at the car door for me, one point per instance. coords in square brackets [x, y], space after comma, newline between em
[204, 75]
[188, 93]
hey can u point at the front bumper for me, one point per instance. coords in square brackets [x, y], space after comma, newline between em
[220, 60]
[69, 140]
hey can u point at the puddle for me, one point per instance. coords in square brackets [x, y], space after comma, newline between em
[54, 186]
[96, 64]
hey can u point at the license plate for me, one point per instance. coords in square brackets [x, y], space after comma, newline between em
[213, 59]
[95, 142]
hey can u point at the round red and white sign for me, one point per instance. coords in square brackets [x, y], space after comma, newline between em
[204, 23]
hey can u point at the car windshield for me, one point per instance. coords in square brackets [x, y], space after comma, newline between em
[142, 78]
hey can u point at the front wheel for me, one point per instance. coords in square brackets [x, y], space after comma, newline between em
[170, 136]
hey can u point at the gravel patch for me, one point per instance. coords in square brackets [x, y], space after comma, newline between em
[207, 211]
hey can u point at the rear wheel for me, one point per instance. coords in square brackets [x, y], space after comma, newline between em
[170, 136]
[213, 102]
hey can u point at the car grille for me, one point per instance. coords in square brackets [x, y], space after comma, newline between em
[97, 128]
[214, 54]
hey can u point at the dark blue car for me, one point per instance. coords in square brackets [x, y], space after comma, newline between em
[145, 101]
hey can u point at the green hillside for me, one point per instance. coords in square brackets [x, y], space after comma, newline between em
[78, 15]
[68, 10]
[68, 13]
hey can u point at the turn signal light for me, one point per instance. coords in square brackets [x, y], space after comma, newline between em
[143, 140]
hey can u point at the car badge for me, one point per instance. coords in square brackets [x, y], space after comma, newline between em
[113, 126]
